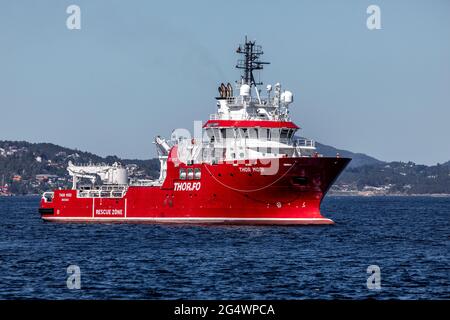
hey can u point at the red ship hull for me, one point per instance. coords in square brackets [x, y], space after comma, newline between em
[227, 193]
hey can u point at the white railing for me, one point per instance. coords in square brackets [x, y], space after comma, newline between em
[104, 192]
[253, 117]
[145, 183]
[305, 143]
[238, 101]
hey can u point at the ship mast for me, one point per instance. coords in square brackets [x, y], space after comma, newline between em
[251, 61]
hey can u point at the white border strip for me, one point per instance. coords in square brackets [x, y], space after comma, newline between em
[187, 219]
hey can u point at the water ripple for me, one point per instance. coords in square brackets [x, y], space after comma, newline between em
[407, 237]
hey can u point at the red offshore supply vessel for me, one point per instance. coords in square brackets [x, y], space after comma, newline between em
[245, 167]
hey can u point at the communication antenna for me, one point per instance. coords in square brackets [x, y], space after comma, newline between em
[251, 62]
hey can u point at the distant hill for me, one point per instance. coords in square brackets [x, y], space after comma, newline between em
[358, 159]
[395, 178]
[31, 168]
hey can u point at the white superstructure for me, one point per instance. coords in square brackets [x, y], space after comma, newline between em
[248, 107]
[114, 174]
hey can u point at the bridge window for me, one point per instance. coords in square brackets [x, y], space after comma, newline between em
[197, 173]
[291, 133]
[216, 134]
[183, 174]
[275, 134]
[190, 174]
[253, 133]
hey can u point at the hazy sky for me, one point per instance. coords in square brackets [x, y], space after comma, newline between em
[141, 68]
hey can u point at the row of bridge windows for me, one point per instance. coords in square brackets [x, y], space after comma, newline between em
[190, 174]
[255, 133]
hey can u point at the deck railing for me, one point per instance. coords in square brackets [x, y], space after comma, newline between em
[105, 191]
[305, 143]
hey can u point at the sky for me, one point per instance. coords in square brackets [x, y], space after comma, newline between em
[137, 69]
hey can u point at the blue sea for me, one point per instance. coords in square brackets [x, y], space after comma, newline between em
[408, 238]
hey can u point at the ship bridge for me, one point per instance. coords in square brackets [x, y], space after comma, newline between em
[250, 124]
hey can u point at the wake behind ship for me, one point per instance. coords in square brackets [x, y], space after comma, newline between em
[247, 167]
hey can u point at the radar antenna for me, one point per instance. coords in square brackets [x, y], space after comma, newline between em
[251, 62]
